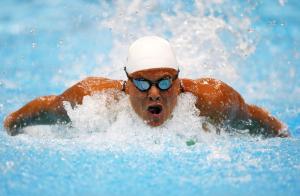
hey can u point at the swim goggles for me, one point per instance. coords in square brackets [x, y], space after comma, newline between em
[143, 84]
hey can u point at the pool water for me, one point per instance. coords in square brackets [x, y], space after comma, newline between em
[45, 47]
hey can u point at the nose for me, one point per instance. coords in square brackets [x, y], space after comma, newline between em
[154, 94]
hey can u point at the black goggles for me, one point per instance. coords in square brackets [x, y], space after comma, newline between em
[143, 84]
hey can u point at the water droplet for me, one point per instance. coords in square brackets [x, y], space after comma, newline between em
[148, 5]
[104, 14]
[34, 45]
[273, 22]
[9, 164]
[60, 43]
[32, 31]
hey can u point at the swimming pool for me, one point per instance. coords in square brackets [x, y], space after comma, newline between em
[47, 46]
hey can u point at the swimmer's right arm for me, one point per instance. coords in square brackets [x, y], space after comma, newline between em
[42, 110]
[50, 109]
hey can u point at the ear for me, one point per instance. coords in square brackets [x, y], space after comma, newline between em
[125, 87]
[181, 86]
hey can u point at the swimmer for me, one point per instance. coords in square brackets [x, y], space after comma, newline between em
[153, 86]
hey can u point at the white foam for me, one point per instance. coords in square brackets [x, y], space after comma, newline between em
[102, 122]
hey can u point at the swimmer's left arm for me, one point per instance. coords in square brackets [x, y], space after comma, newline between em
[220, 102]
[273, 126]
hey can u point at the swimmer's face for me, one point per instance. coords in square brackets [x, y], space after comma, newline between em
[154, 106]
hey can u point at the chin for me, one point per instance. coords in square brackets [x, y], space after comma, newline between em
[155, 121]
[155, 124]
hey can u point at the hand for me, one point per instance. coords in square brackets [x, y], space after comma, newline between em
[284, 132]
[9, 125]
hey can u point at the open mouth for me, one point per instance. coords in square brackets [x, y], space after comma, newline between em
[155, 109]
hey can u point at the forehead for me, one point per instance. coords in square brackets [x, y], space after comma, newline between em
[155, 73]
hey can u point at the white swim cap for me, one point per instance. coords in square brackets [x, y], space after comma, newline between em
[150, 52]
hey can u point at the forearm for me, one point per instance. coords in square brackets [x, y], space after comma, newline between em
[43, 110]
[271, 125]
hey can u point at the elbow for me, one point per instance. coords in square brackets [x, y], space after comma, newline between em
[10, 126]
[7, 123]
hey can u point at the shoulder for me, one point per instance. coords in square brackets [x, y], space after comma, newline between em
[94, 84]
[89, 86]
[209, 88]
[214, 97]
[204, 85]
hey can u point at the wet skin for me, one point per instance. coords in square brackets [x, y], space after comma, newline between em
[217, 101]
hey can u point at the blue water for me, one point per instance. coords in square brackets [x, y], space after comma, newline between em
[47, 46]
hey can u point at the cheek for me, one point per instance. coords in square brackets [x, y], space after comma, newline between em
[135, 95]
[170, 101]
[137, 100]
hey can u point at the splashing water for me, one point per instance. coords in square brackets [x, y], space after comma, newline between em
[109, 124]
[194, 35]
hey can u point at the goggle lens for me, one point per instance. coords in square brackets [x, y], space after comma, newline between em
[164, 84]
[144, 85]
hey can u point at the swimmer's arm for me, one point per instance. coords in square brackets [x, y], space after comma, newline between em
[50, 109]
[268, 122]
[220, 103]
[42, 110]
